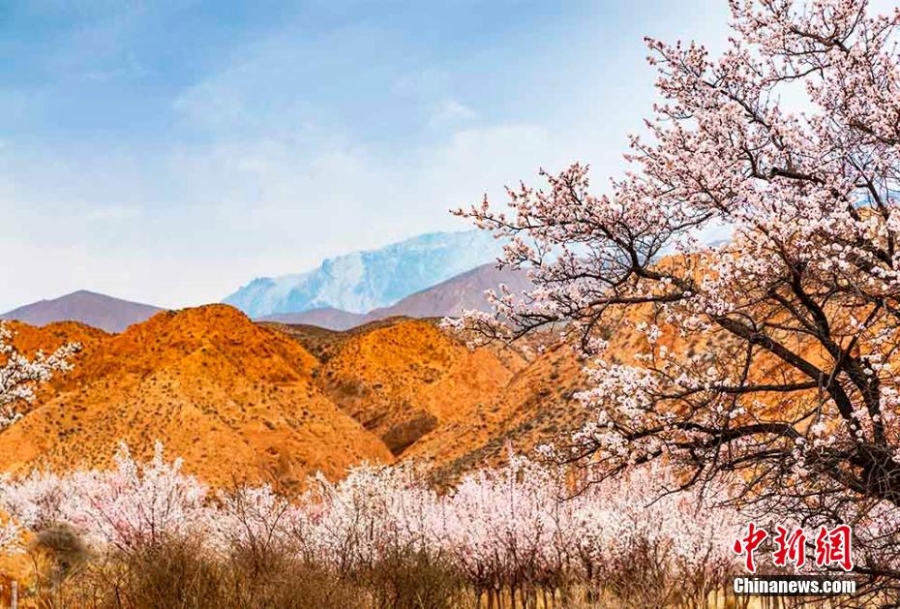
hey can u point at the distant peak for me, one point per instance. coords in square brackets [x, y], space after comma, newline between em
[84, 306]
[86, 293]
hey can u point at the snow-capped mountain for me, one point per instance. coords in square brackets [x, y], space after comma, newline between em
[362, 281]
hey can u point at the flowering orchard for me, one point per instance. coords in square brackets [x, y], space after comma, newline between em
[799, 396]
[507, 531]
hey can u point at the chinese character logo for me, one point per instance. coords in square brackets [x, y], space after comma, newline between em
[748, 544]
[791, 548]
[832, 547]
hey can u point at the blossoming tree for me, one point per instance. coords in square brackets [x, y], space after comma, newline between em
[799, 395]
[19, 375]
[18, 378]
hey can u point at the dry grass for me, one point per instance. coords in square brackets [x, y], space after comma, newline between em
[185, 573]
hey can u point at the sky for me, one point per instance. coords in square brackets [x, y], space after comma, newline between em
[169, 151]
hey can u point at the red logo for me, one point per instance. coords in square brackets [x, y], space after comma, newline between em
[748, 544]
[833, 547]
[791, 548]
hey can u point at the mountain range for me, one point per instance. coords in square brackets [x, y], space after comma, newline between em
[362, 281]
[288, 400]
[326, 317]
[447, 299]
[434, 275]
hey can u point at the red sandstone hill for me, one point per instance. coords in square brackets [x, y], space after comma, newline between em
[275, 402]
[405, 378]
[234, 399]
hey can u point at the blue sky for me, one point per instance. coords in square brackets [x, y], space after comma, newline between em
[169, 151]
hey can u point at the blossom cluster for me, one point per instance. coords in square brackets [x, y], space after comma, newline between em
[19, 375]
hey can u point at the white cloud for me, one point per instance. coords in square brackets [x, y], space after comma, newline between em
[210, 105]
[450, 111]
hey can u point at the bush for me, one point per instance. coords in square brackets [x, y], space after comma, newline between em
[58, 552]
[181, 573]
[415, 580]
